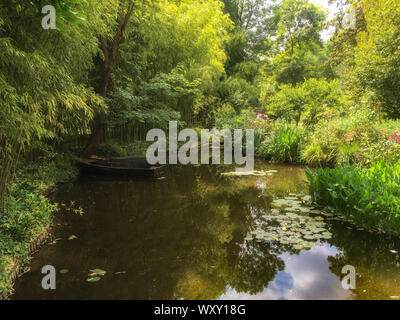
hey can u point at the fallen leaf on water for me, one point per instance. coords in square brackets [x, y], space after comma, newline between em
[97, 272]
[72, 237]
[64, 271]
[120, 272]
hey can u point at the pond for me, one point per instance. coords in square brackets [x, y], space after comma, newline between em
[188, 235]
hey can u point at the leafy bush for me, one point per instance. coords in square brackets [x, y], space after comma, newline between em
[308, 102]
[29, 212]
[227, 118]
[343, 140]
[28, 216]
[48, 172]
[110, 149]
[283, 144]
[368, 197]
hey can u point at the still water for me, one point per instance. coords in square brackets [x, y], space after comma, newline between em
[183, 237]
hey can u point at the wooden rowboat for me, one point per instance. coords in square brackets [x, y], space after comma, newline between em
[133, 166]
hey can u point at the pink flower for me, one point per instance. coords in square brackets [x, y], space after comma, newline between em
[396, 138]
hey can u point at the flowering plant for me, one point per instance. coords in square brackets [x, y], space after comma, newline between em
[262, 116]
[396, 138]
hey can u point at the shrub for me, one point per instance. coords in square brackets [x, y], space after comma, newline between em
[368, 197]
[343, 140]
[110, 149]
[352, 140]
[283, 144]
[247, 119]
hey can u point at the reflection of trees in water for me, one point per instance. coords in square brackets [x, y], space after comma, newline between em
[181, 237]
[371, 255]
[227, 211]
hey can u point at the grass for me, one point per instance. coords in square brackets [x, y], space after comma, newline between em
[367, 197]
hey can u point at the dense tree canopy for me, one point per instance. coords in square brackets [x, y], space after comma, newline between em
[123, 63]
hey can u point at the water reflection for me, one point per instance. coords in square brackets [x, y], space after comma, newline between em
[182, 237]
[306, 276]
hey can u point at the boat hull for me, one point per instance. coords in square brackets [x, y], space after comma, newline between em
[120, 167]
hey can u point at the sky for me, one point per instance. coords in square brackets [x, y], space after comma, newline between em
[331, 9]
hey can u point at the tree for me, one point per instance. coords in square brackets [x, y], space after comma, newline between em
[110, 44]
[374, 74]
[295, 24]
[44, 87]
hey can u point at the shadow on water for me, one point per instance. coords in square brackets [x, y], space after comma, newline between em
[182, 237]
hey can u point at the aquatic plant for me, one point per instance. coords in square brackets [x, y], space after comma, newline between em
[368, 197]
[292, 222]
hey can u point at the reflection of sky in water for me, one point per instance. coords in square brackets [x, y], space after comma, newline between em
[306, 276]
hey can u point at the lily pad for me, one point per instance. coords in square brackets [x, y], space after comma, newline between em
[93, 279]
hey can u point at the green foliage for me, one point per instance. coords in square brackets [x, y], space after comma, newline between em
[301, 65]
[30, 212]
[188, 32]
[5, 281]
[373, 75]
[296, 52]
[49, 172]
[309, 102]
[299, 24]
[283, 144]
[239, 93]
[368, 197]
[109, 149]
[164, 98]
[348, 140]
[44, 91]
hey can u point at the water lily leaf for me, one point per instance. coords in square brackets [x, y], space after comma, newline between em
[291, 198]
[310, 237]
[93, 279]
[309, 244]
[326, 235]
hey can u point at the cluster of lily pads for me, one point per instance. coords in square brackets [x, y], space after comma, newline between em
[292, 221]
[254, 173]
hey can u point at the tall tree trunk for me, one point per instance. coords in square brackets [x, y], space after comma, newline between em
[110, 54]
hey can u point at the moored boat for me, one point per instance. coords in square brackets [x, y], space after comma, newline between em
[133, 166]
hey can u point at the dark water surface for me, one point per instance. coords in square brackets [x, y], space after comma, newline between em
[182, 237]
